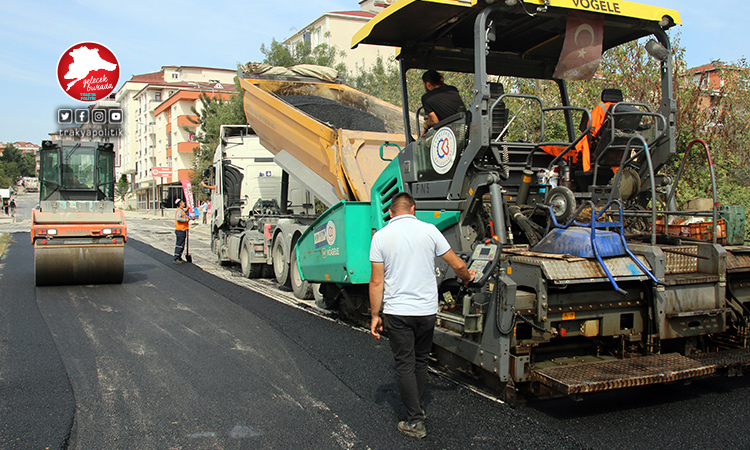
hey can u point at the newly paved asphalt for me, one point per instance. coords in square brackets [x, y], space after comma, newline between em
[36, 400]
[177, 358]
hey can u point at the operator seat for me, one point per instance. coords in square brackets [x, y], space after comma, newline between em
[611, 139]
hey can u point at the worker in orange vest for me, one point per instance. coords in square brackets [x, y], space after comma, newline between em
[181, 225]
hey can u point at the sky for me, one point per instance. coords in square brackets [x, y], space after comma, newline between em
[146, 35]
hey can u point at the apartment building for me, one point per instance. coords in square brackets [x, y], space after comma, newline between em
[175, 130]
[139, 97]
[713, 79]
[338, 28]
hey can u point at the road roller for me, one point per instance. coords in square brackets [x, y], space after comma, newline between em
[77, 233]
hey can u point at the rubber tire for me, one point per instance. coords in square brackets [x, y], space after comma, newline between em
[249, 270]
[566, 205]
[301, 288]
[280, 266]
[325, 296]
[215, 249]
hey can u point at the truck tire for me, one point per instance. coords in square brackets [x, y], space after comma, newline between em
[280, 266]
[301, 288]
[249, 270]
[215, 243]
[326, 296]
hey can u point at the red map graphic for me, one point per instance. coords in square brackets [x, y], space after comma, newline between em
[88, 72]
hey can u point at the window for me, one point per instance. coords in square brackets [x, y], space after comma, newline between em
[49, 171]
[157, 96]
[316, 37]
[175, 76]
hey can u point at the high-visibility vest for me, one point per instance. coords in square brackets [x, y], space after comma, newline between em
[583, 147]
[598, 115]
[181, 214]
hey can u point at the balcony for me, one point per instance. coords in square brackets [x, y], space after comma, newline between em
[187, 147]
[185, 120]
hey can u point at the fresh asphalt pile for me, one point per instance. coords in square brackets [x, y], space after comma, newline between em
[336, 115]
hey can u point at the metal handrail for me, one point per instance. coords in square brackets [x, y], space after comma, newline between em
[671, 194]
[644, 151]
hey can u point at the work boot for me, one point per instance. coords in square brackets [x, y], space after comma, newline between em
[413, 429]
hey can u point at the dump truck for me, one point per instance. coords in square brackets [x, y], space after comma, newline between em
[30, 184]
[253, 198]
[77, 233]
[582, 285]
[330, 138]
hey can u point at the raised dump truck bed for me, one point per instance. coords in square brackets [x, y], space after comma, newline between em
[335, 163]
[331, 138]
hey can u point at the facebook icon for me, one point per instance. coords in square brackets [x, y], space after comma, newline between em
[82, 116]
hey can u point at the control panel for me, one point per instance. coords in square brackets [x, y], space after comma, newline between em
[483, 260]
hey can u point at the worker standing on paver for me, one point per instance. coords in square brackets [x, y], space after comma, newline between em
[403, 281]
[181, 225]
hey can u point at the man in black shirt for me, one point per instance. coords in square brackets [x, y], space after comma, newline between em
[441, 100]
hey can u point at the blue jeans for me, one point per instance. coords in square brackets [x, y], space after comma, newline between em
[411, 342]
[179, 245]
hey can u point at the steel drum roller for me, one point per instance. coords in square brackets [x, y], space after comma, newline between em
[78, 264]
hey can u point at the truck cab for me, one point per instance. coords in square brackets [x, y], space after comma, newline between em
[256, 206]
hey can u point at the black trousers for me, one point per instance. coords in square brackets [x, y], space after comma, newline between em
[179, 245]
[411, 342]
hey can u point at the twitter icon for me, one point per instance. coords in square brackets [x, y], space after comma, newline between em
[64, 116]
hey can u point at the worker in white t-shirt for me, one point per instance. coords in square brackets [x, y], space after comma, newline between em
[403, 282]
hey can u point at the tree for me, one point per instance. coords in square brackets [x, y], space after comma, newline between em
[720, 115]
[11, 154]
[27, 165]
[278, 54]
[122, 187]
[214, 113]
[14, 165]
[382, 80]
[5, 179]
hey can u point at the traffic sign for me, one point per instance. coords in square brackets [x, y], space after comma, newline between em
[161, 171]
